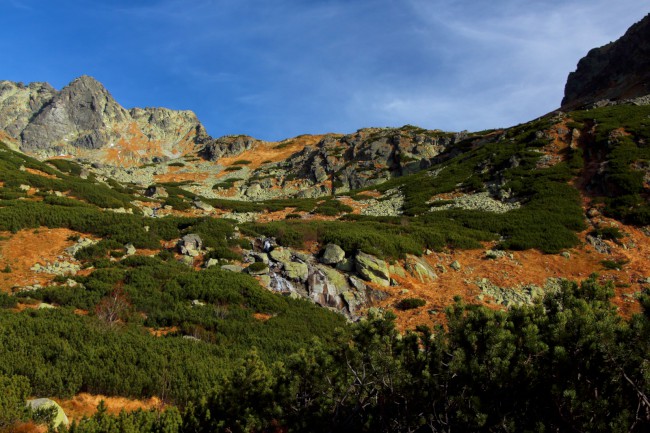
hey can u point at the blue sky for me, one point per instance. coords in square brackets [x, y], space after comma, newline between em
[275, 69]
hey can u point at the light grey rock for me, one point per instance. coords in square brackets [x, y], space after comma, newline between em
[495, 254]
[187, 260]
[260, 257]
[419, 268]
[480, 201]
[60, 418]
[232, 268]
[129, 249]
[296, 271]
[210, 263]
[203, 206]
[190, 245]
[332, 254]
[280, 254]
[372, 269]
[455, 265]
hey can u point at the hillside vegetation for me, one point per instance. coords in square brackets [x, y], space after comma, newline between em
[226, 354]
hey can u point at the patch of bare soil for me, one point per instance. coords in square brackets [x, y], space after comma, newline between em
[86, 405]
[39, 173]
[266, 152]
[161, 332]
[20, 251]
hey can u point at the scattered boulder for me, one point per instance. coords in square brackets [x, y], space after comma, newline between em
[210, 263]
[332, 254]
[130, 249]
[260, 257]
[397, 270]
[323, 290]
[45, 403]
[419, 268]
[280, 254]
[296, 271]
[187, 260]
[190, 245]
[372, 269]
[203, 206]
[156, 192]
[494, 254]
[232, 268]
[599, 244]
[455, 265]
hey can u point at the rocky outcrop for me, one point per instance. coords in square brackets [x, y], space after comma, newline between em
[230, 145]
[332, 254]
[368, 156]
[372, 269]
[190, 245]
[616, 71]
[301, 275]
[20, 103]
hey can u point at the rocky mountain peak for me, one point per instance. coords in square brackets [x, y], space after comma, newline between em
[79, 114]
[616, 71]
[84, 120]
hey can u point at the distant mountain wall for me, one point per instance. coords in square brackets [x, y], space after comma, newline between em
[618, 70]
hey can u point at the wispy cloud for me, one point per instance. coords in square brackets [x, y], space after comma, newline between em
[273, 69]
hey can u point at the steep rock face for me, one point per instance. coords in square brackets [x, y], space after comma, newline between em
[618, 70]
[79, 114]
[84, 120]
[213, 149]
[20, 103]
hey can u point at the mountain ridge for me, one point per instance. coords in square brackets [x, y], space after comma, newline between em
[616, 71]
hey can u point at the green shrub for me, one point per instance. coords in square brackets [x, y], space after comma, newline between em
[257, 267]
[410, 303]
[609, 233]
[614, 264]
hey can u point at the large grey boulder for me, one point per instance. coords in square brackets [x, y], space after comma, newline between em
[296, 271]
[332, 254]
[155, 191]
[45, 403]
[420, 268]
[190, 245]
[325, 286]
[372, 269]
[280, 254]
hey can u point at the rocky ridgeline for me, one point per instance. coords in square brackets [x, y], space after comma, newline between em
[617, 71]
[337, 164]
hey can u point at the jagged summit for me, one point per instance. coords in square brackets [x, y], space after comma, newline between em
[618, 70]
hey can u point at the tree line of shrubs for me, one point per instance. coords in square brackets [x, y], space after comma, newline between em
[567, 363]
